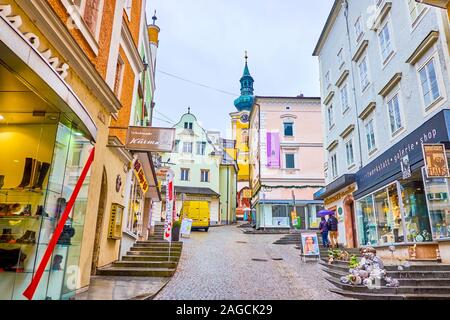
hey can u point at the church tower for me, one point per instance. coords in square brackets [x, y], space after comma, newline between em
[240, 124]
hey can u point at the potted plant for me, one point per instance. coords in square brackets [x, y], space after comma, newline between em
[176, 228]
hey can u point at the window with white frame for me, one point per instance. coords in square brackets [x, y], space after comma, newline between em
[201, 148]
[327, 80]
[415, 10]
[364, 74]
[340, 56]
[349, 152]
[289, 160]
[359, 32]
[429, 83]
[330, 114]
[204, 175]
[344, 98]
[385, 40]
[370, 135]
[118, 81]
[135, 208]
[128, 6]
[395, 117]
[187, 147]
[90, 11]
[184, 174]
[334, 165]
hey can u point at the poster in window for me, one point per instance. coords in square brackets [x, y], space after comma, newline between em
[436, 163]
[406, 167]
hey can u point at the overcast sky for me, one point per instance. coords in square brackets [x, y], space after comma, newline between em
[204, 41]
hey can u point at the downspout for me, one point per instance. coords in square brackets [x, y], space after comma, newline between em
[228, 195]
[345, 7]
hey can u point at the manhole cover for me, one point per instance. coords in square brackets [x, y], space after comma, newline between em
[260, 260]
[241, 242]
[277, 259]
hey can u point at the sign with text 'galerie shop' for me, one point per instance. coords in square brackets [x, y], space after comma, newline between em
[435, 160]
[150, 139]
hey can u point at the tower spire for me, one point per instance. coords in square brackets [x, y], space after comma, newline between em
[154, 18]
[245, 101]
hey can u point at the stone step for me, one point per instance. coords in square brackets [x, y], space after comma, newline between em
[419, 275]
[413, 267]
[432, 282]
[146, 264]
[374, 296]
[154, 253]
[158, 242]
[172, 249]
[150, 258]
[136, 272]
[391, 291]
[156, 248]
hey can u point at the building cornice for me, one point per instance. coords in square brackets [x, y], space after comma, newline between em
[342, 78]
[56, 32]
[391, 84]
[329, 98]
[347, 131]
[367, 110]
[426, 44]
[361, 50]
[328, 27]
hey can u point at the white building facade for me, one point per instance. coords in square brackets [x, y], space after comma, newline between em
[385, 87]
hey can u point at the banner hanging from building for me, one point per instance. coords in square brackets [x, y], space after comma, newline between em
[273, 150]
[436, 162]
[140, 175]
[169, 206]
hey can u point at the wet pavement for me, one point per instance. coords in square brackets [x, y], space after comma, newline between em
[226, 264]
[122, 288]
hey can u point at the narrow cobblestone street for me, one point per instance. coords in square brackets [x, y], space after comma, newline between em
[218, 265]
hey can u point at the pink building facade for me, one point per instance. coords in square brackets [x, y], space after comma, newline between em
[286, 167]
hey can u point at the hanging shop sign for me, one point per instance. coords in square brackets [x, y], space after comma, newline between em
[339, 196]
[115, 222]
[17, 23]
[436, 162]
[140, 175]
[150, 139]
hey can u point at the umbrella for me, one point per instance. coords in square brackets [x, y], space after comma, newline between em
[324, 213]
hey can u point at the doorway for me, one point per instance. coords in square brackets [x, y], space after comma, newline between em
[350, 222]
[99, 224]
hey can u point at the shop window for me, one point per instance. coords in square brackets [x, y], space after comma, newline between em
[366, 222]
[415, 206]
[437, 196]
[280, 216]
[135, 208]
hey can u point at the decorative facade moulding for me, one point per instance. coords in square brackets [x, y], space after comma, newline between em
[58, 34]
[347, 131]
[424, 46]
[361, 49]
[333, 145]
[382, 14]
[128, 41]
[391, 84]
[329, 98]
[342, 78]
[367, 110]
[437, 3]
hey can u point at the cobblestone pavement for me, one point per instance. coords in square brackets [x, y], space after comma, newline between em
[218, 265]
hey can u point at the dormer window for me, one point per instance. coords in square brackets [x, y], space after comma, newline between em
[188, 125]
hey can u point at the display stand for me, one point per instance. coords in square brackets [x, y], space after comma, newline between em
[311, 240]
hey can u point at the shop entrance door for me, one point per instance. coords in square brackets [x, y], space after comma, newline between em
[350, 222]
[99, 225]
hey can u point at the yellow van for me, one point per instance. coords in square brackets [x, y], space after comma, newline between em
[199, 212]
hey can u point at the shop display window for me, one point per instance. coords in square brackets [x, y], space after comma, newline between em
[366, 221]
[280, 216]
[135, 208]
[415, 207]
[45, 156]
[437, 196]
[314, 221]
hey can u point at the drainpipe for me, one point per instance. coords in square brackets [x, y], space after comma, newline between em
[228, 195]
[345, 7]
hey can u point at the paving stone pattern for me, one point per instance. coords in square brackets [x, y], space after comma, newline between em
[220, 265]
